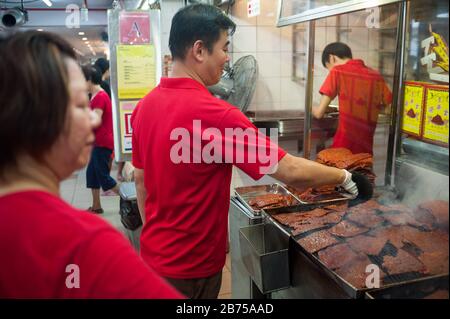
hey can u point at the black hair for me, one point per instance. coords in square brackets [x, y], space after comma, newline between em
[338, 49]
[102, 64]
[92, 73]
[34, 93]
[197, 22]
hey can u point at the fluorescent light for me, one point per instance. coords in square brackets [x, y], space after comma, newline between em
[84, 39]
[80, 33]
[40, 30]
[47, 2]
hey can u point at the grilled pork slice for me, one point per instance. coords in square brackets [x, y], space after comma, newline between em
[367, 245]
[317, 241]
[367, 218]
[347, 229]
[354, 272]
[403, 263]
[337, 256]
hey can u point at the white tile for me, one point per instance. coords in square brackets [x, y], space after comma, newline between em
[286, 64]
[268, 91]
[286, 39]
[319, 69]
[357, 19]
[244, 40]
[268, 39]
[321, 39]
[292, 91]
[331, 21]
[269, 64]
[358, 39]
[374, 39]
[240, 15]
[268, 15]
[331, 35]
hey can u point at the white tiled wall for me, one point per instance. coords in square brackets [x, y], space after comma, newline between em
[272, 47]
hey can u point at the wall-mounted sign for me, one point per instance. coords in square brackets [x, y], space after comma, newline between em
[126, 110]
[136, 70]
[413, 108]
[435, 126]
[436, 57]
[253, 8]
[134, 28]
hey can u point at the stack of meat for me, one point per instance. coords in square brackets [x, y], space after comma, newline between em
[401, 241]
[341, 158]
[271, 201]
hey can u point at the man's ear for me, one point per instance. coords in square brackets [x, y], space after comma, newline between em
[198, 50]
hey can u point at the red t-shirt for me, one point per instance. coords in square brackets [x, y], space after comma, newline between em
[104, 133]
[362, 95]
[187, 203]
[41, 235]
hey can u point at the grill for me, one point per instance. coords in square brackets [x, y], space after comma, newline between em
[310, 262]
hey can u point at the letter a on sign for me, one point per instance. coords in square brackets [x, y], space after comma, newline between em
[134, 28]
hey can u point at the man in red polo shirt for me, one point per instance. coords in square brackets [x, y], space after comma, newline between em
[185, 142]
[362, 93]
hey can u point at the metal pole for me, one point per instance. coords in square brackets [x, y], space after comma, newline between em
[394, 144]
[308, 91]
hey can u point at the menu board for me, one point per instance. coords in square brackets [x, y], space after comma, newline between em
[136, 70]
[435, 126]
[413, 108]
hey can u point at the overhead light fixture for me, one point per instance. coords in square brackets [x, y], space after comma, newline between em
[84, 39]
[47, 2]
[80, 33]
[40, 30]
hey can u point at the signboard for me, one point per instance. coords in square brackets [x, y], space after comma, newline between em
[413, 108]
[134, 28]
[436, 117]
[136, 70]
[253, 8]
[126, 131]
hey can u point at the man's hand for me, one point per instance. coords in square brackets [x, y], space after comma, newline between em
[357, 185]
[349, 185]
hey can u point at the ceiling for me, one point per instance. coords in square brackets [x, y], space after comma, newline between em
[96, 47]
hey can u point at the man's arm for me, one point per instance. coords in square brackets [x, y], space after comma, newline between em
[302, 173]
[141, 192]
[319, 111]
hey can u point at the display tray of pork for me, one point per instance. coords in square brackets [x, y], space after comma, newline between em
[256, 198]
[369, 245]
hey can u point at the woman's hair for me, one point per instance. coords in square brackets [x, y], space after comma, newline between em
[34, 93]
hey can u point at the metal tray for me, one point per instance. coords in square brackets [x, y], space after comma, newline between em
[244, 194]
[328, 199]
[416, 289]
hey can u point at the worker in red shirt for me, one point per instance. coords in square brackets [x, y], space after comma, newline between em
[362, 94]
[185, 142]
[48, 248]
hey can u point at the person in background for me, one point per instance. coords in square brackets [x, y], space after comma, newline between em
[98, 170]
[50, 249]
[184, 205]
[362, 93]
[103, 65]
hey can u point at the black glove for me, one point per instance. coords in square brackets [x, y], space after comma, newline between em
[365, 188]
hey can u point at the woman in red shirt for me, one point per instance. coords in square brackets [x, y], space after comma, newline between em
[48, 248]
